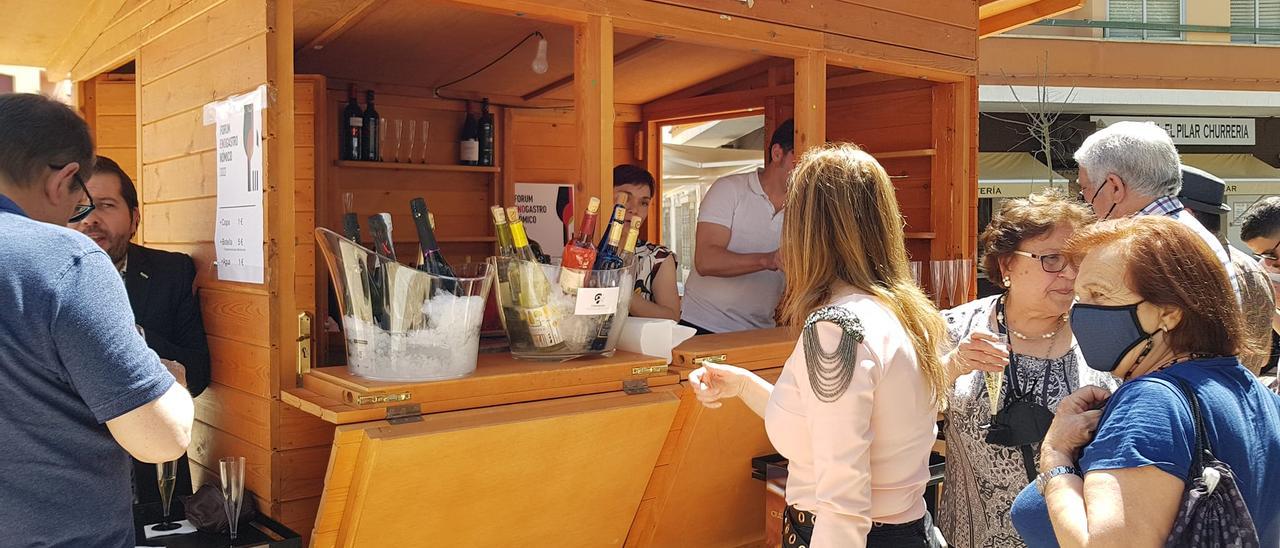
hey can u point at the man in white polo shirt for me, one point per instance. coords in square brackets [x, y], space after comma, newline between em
[735, 284]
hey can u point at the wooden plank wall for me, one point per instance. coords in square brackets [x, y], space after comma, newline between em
[108, 103]
[189, 53]
[543, 147]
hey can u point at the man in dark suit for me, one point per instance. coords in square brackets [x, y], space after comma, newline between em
[165, 307]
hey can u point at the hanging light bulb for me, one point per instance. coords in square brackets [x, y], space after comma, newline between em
[540, 60]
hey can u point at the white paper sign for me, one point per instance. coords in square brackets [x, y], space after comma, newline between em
[238, 235]
[541, 206]
[595, 301]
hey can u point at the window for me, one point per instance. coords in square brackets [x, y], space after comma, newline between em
[1256, 14]
[1145, 11]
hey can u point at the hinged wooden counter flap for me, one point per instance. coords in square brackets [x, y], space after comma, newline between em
[754, 350]
[337, 396]
[565, 472]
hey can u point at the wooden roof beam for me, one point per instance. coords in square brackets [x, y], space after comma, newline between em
[996, 20]
[632, 53]
[78, 40]
[342, 25]
[728, 78]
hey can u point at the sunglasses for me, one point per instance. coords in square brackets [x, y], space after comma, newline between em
[1051, 263]
[1269, 255]
[82, 210]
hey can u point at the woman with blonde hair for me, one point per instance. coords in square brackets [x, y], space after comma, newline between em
[854, 409]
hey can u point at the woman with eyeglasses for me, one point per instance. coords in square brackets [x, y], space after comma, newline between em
[1013, 359]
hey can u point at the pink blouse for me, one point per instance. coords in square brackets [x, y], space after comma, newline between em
[864, 457]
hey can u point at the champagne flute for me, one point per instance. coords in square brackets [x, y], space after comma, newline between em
[232, 483]
[166, 477]
[413, 130]
[399, 132]
[382, 139]
[995, 379]
[425, 126]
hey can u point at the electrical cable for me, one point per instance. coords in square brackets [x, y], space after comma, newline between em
[436, 91]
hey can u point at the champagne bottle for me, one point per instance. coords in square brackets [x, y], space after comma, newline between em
[579, 254]
[609, 256]
[486, 134]
[380, 227]
[352, 123]
[433, 260]
[369, 130]
[633, 236]
[506, 256]
[505, 246]
[469, 140]
[533, 291]
[619, 213]
[350, 222]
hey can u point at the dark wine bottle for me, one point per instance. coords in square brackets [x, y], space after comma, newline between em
[620, 200]
[609, 256]
[486, 134]
[469, 140]
[433, 261]
[370, 129]
[349, 137]
[380, 227]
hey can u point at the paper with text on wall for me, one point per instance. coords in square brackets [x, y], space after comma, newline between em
[238, 228]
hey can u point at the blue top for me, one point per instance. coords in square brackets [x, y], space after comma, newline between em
[1148, 422]
[70, 360]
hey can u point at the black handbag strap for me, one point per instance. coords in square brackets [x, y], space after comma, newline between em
[1202, 438]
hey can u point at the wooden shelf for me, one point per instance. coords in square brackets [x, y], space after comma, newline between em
[416, 167]
[921, 235]
[921, 153]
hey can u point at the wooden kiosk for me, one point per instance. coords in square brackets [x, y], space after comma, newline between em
[599, 452]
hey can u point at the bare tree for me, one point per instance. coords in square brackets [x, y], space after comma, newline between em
[1042, 115]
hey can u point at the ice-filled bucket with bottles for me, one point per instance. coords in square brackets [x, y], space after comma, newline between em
[403, 323]
[560, 312]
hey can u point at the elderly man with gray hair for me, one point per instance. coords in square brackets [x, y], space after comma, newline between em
[1132, 168]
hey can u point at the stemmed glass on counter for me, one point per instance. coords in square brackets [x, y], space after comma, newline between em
[166, 478]
[232, 469]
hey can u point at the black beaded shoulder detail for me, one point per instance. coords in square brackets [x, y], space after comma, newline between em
[830, 373]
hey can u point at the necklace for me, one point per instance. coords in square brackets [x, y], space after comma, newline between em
[1062, 321]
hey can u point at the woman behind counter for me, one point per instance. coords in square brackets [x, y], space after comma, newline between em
[1022, 253]
[854, 409]
[657, 270]
[1155, 309]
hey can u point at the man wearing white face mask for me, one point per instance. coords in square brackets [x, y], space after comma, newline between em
[1132, 168]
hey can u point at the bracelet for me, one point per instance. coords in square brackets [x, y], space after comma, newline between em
[1043, 479]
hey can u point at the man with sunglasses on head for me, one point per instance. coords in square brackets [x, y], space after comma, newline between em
[165, 307]
[79, 390]
[1132, 168]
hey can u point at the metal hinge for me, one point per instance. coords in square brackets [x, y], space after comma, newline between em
[716, 358]
[635, 386]
[401, 414]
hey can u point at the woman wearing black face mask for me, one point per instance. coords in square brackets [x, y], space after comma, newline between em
[1156, 309]
[999, 408]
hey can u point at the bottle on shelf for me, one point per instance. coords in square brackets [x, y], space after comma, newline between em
[620, 200]
[469, 140]
[633, 236]
[433, 261]
[380, 228]
[351, 128]
[486, 134]
[579, 254]
[533, 291]
[609, 256]
[369, 130]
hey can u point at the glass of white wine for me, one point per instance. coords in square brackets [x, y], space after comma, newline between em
[166, 477]
[995, 379]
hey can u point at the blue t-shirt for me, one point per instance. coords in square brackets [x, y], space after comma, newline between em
[70, 360]
[1148, 422]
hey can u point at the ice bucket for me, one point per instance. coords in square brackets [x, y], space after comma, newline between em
[400, 323]
[573, 323]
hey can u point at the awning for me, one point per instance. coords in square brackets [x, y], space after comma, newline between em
[1013, 175]
[1244, 173]
[689, 164]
